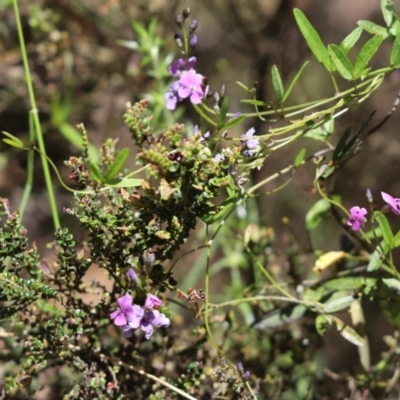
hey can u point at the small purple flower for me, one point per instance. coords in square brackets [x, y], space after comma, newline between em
[180, 65]
[125, 311]
[190, 84]
[250, 143]
[392, 203]
[356, 219]
[193, 41]
[219, 157]
[152, 301]
[246, 376]
[172, 96]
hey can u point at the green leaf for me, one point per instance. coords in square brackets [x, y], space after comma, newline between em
[341, 62]
[322, 132]
[388, 9]
[350, 283]
[350, 40]
[299, 158]
[224, 207]
[397, 240]
[243, 86]
[125, 183]
[392, 283]
[223, 110]
[346, 331]
[317, 213]
[114, 169]
[321, 324]
[386, 230]
[373, 28]
[13, 140]
[337, 154]
[281, 317]
[365, 55]
[395, 53]
[313, 39]
[234, 121]
[294, 81]
[95, 173]
[253, 102]
[277, 84]
[376, 259]
[338, 304]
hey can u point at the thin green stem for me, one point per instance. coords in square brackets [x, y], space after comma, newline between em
[35, 116]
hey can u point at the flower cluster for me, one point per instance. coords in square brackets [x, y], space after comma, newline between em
[132, 316]
[357, 214]
[251, 145]
[190, 84]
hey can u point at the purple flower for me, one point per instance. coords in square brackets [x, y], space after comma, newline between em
[190, 84]
[172, 97]
[152, 301]
[193, 41]
[133, 317]
[125, 311]
[392, 202]
[356, 219]
[246, 376]
[180, 65]
[250, 143]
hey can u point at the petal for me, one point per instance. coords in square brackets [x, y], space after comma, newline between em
[184, 92]
[387, 198]
[356, 226]
[115, 313]
[125, 302]
[161, 321]
[128, 331]
[152, 301]
[120, 320]
[148, 330]
[195, 98]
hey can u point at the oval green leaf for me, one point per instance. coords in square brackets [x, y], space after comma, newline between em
[350, 40]
[395, 53]
[341, 62]
[365, 55]
[277, 84]
[386, 230]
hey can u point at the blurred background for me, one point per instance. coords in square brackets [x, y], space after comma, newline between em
[78, 64]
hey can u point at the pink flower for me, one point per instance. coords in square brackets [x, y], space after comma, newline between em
[356, 219]
[392, 203]
[190, 85]
[124, 313]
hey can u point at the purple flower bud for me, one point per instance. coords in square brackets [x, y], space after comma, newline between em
[178, 41]
[239, 367]
[152, 301]
[193, 41]
[369, 196]
[246, 376]
[193, 26]
[133, 276]
[179, 21]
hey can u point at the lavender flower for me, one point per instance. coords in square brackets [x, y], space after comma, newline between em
[190, 85]
[133, 276]
[251, 144]
[125, 311]
[172, 97]
[392, 203]
[133, 317]
[180, 65]
[193, 41]
[356, 219]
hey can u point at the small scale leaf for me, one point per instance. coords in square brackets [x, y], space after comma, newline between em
[13, 140]
[277, 84]
[341, 62]
[395, 53]
[294, 81]
[350, 40]
[299, 158]
[365, 55]
[119, 162]
[373, 28]
[386, 230]
[313, 39]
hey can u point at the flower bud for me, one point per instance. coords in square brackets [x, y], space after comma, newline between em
[179, 21]
[149, 258]
[186, 12]
[178, 41]
[193, 41]
[239, 367]
[246, 376]
[193, 26]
